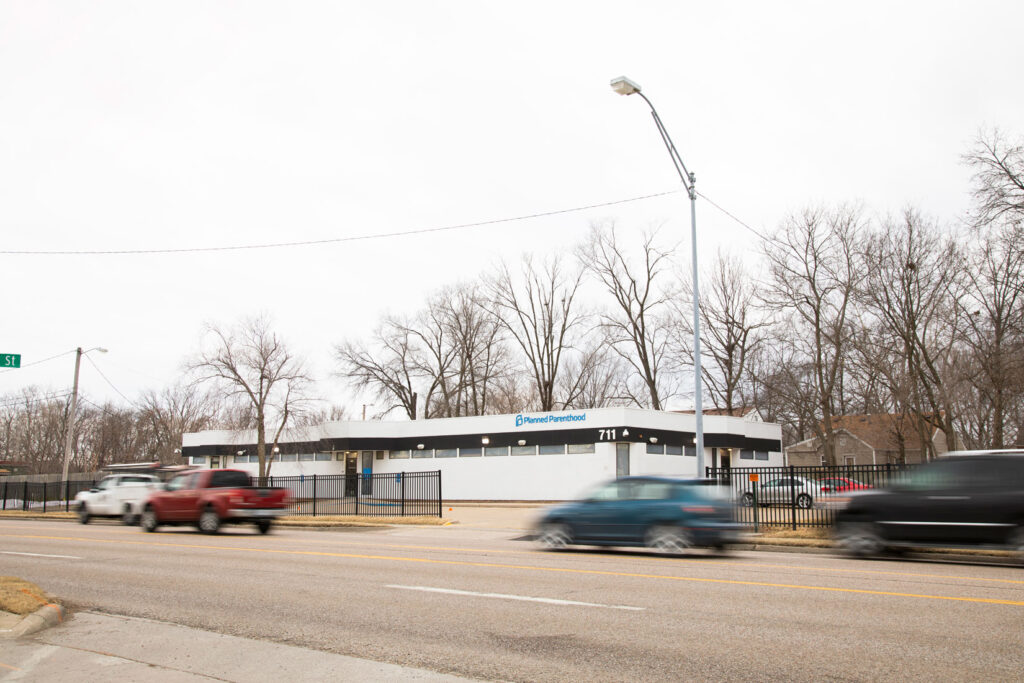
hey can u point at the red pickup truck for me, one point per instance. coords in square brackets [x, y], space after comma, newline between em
[210, 498]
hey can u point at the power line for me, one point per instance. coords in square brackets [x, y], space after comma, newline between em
[753, 230]
[26, 365]
[93, 363]
[333, 240]
[10, 402]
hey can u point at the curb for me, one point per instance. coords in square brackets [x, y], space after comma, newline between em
[47, 616]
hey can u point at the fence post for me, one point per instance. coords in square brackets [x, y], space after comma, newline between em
[359, 485]
[403, 494]
[24, 498]
[5, 493]
[44, 496]
[314, 495]
[440, 505]
[67, 495]
[792, 493]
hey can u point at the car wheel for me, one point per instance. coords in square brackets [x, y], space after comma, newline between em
[668, 539]
[129, 518]
[554, 536]
[263, 525]
[149, 519]
[804, 502]
[747, 500]
[209, 522]
[859, 539]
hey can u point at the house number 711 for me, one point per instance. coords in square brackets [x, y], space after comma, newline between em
[606, 435]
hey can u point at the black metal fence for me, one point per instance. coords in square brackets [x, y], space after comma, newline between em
[794, 496]
[399, 494]
[41, 496]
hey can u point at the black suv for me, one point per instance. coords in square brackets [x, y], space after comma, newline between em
[961, 499]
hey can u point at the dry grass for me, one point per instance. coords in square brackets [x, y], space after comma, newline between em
[21, 597]
[358, 520]
[15, 514]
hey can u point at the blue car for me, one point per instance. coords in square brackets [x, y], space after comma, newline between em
[667, 514]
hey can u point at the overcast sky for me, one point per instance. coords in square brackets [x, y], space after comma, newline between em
[191, 125]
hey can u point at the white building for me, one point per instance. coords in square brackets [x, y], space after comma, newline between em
[530, 456]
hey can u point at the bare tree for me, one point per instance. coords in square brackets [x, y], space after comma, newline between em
[992, 330]
[998, 166]
[732, 330]
[915, 277]
[389, 371]
[638, 327]
[539, 314]
[252, 363]
[168, 414]
[815, 268]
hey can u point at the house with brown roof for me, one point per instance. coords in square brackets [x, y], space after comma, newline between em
[874, 439]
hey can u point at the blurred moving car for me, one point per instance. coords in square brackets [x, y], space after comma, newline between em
[118, 495]
[782, 490]
[663, 513]
[961, 499]
[842, 485]
[212, 498]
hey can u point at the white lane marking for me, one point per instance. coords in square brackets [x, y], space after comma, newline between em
[524, 598]
[62, 557]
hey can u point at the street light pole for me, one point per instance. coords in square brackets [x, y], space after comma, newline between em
[74, 405]
[624, 86]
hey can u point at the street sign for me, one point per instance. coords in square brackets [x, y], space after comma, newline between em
[753, 477]
[10, 360]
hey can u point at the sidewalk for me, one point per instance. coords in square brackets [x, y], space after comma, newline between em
[93, 646]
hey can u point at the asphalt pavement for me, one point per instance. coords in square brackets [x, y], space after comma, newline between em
[91, 645]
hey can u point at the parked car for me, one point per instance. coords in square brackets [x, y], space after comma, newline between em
[842, 485]
[118, 495]
[664, 513]
[962, 499]
[211, 498]
[782, 490]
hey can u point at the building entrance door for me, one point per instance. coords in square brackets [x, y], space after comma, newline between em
[367, 473]
[622, 460]
[351, 472]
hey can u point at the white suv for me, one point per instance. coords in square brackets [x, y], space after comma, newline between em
[119, 495]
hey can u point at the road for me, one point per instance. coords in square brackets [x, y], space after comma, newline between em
[483, 604]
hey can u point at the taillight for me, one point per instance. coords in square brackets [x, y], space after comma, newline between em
[699, 509]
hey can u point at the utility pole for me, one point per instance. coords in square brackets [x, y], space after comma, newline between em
[71, 416]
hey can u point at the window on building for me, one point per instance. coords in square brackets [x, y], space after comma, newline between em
[557, 449]
[656, 449]
[378, 455]
[241, 458]
[288, 457]
[446, 453]
[760, 455]
[673, 450]
[470, 452]
[398, 455]
[323, 457]
[524, 450]
[423, 453]
[746, 454]
[496, 450]
[580, 448]
[305, 457]
[690, 451]
[198, 459]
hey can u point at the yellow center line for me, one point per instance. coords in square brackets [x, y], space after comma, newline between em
[8, 666]
[561, 570]
[706, 562]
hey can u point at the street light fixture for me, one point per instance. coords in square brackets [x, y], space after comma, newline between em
[74, 405]
[624, 86]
